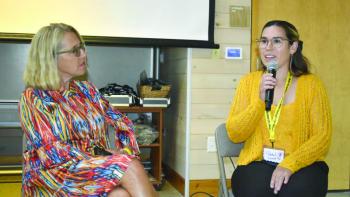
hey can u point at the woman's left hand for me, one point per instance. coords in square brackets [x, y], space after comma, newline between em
[279, 176]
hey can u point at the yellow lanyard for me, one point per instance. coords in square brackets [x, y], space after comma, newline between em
[271, 122]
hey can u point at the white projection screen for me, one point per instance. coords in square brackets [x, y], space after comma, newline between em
[139, 22]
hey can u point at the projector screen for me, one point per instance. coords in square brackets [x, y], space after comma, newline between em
[148, 22]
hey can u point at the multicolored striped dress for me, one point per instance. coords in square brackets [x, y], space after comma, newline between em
[62, 128]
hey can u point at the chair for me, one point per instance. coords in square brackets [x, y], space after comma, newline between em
[225, 148]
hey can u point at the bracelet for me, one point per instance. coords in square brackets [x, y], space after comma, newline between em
[127, 150]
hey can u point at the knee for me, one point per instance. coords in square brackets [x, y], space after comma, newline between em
[136, 167]
[119, 192]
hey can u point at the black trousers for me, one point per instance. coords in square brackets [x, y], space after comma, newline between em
[253, 180]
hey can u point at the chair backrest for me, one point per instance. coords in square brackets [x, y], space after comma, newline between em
[225, 148]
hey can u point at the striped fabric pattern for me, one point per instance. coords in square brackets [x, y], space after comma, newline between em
[62, 128]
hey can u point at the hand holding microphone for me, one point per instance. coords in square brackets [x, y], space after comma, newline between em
[268, 84]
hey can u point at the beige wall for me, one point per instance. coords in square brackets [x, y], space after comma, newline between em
[324, 28]
[174, 71]
[214, 80]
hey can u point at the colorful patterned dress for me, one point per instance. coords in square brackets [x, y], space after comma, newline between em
[62, 128]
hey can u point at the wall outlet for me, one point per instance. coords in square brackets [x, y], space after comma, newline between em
[211, 145]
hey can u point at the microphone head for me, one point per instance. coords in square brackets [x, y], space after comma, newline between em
[272, 65]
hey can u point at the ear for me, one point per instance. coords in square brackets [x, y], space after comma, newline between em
[293, 48]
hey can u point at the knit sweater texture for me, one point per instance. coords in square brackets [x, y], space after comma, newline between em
[303, 131]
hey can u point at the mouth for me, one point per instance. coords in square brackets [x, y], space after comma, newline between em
[269, 58]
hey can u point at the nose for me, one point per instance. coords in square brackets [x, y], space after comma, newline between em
[269, 45]
[82, 53]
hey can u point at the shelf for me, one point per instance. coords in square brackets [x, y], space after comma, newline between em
[156, 147]
[149, 146]
[138, 109]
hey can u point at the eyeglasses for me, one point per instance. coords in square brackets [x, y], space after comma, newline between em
[275, 41]
[75, 50]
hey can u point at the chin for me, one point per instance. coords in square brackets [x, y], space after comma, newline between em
[82, 71]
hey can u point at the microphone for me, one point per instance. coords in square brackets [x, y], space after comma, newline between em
[271, 68]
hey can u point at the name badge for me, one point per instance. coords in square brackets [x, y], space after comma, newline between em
[273, 155]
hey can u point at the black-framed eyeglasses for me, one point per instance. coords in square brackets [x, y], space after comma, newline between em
[75, 50]
[275, 41]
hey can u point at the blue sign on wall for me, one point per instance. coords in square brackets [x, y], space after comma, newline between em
[233, 53]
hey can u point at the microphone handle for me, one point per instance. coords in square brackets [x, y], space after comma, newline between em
[269, 93]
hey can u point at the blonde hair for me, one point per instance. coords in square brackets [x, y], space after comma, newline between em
[41, 70]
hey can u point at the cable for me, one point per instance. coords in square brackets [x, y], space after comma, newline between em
[201, 193]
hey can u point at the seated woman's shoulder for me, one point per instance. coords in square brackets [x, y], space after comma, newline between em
[311, 78]
[27, 93]
[28, 90]
[36, 96]
[256, 73]
[252, 75]
[33, 92]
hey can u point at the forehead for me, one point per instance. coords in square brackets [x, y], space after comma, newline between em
[273, 31]
[70, 39]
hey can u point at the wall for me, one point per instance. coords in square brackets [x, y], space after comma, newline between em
[324, 28]
[173, 70]
[214, 80]
[13, 57]
[106, 65]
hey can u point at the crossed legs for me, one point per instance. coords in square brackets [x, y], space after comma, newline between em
[134, 183]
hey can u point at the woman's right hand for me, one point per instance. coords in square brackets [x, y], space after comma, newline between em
[267, 82]
[125, 151]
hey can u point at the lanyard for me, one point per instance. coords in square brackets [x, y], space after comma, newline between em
[271, 122]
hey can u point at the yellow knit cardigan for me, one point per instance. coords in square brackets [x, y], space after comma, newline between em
[303, 131]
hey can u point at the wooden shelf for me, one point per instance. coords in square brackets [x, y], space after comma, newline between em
[156, 148]
[150, 146]
[138, 109]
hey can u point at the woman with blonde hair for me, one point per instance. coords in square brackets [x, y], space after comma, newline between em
[65, 122]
